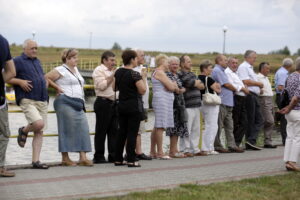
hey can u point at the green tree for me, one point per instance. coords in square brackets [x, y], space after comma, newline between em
[297, 52]
[116, 46]
[284, 51]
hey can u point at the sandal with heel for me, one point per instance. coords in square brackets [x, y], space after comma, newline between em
[135, 164]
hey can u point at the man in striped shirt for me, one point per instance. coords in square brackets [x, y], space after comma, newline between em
[192, 96]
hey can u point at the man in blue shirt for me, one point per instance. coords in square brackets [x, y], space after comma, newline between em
[225, 114]
[31, 96]
[280, 78]
[8, 71]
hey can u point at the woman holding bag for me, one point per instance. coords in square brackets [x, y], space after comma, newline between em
[210, 112]
[73, 129]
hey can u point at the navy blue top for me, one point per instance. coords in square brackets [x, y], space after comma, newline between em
[4, 56]
[30, 69]
[4, 52]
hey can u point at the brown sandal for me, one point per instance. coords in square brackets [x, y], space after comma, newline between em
[22, 137]
[68, 163]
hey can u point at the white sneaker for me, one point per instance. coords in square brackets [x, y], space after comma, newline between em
[213, 153]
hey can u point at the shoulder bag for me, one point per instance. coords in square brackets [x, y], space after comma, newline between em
[209, 98]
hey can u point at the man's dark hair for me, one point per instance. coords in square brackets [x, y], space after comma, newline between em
[106, 55]
[262, 65]
[127, 55]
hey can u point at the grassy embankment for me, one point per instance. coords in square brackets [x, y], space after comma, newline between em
[51, 56]
[281, 187]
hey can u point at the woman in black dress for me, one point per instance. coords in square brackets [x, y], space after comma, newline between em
[131, 86]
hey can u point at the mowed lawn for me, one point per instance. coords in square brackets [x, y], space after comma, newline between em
[280, 187]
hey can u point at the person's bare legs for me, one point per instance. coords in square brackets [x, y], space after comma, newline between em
[159, 141]
[173, 145]
[82, 156]
[37, 141]
[138, 146]
[83, 161]
[153, 152]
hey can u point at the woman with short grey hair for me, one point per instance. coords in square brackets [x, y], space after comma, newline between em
[180, 126]
[292, 115]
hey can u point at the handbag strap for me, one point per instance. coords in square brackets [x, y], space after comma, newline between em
[206, 88]
[74, 75]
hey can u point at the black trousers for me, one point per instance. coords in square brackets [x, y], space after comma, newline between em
[240, 120]
[254, 118]
[283, 121]
[129, 126]
[105, 126]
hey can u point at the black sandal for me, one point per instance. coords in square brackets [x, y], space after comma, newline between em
[22, 137]
[135, 164]
[39, 165]
[120, 163]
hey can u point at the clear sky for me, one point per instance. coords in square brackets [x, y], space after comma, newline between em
[163, 25]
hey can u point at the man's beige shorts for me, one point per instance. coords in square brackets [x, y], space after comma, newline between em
[35, 110]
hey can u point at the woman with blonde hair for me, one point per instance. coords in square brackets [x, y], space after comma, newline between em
[73, 129]
[162, 104]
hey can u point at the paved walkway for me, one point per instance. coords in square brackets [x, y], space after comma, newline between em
[106, 179]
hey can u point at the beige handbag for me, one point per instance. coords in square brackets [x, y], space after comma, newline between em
[209, 98]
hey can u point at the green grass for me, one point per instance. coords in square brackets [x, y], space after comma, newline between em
[51, 55]
[280, 187]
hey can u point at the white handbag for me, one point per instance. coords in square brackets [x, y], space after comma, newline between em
[209, 98]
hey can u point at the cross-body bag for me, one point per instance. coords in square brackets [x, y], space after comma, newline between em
[209, 98]
[79, 84]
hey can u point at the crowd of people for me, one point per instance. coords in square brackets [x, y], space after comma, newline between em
[230, 96]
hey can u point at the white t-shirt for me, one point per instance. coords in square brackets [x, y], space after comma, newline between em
[235, 81]
[267, 89]
[246, 72]
[69, 83]
[146, 95]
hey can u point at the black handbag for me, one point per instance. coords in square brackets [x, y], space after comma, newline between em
[142, 110]
[284, 99]
[179, 105]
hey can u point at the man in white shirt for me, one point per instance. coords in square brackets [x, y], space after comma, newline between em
[239, 112]
[254, 118]
[266, 103]
[141, 69]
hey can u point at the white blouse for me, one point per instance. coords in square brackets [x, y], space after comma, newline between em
[69, 82]
[267, 89]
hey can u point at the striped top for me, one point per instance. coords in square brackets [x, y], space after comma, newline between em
[162, 103]
[192, 96]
